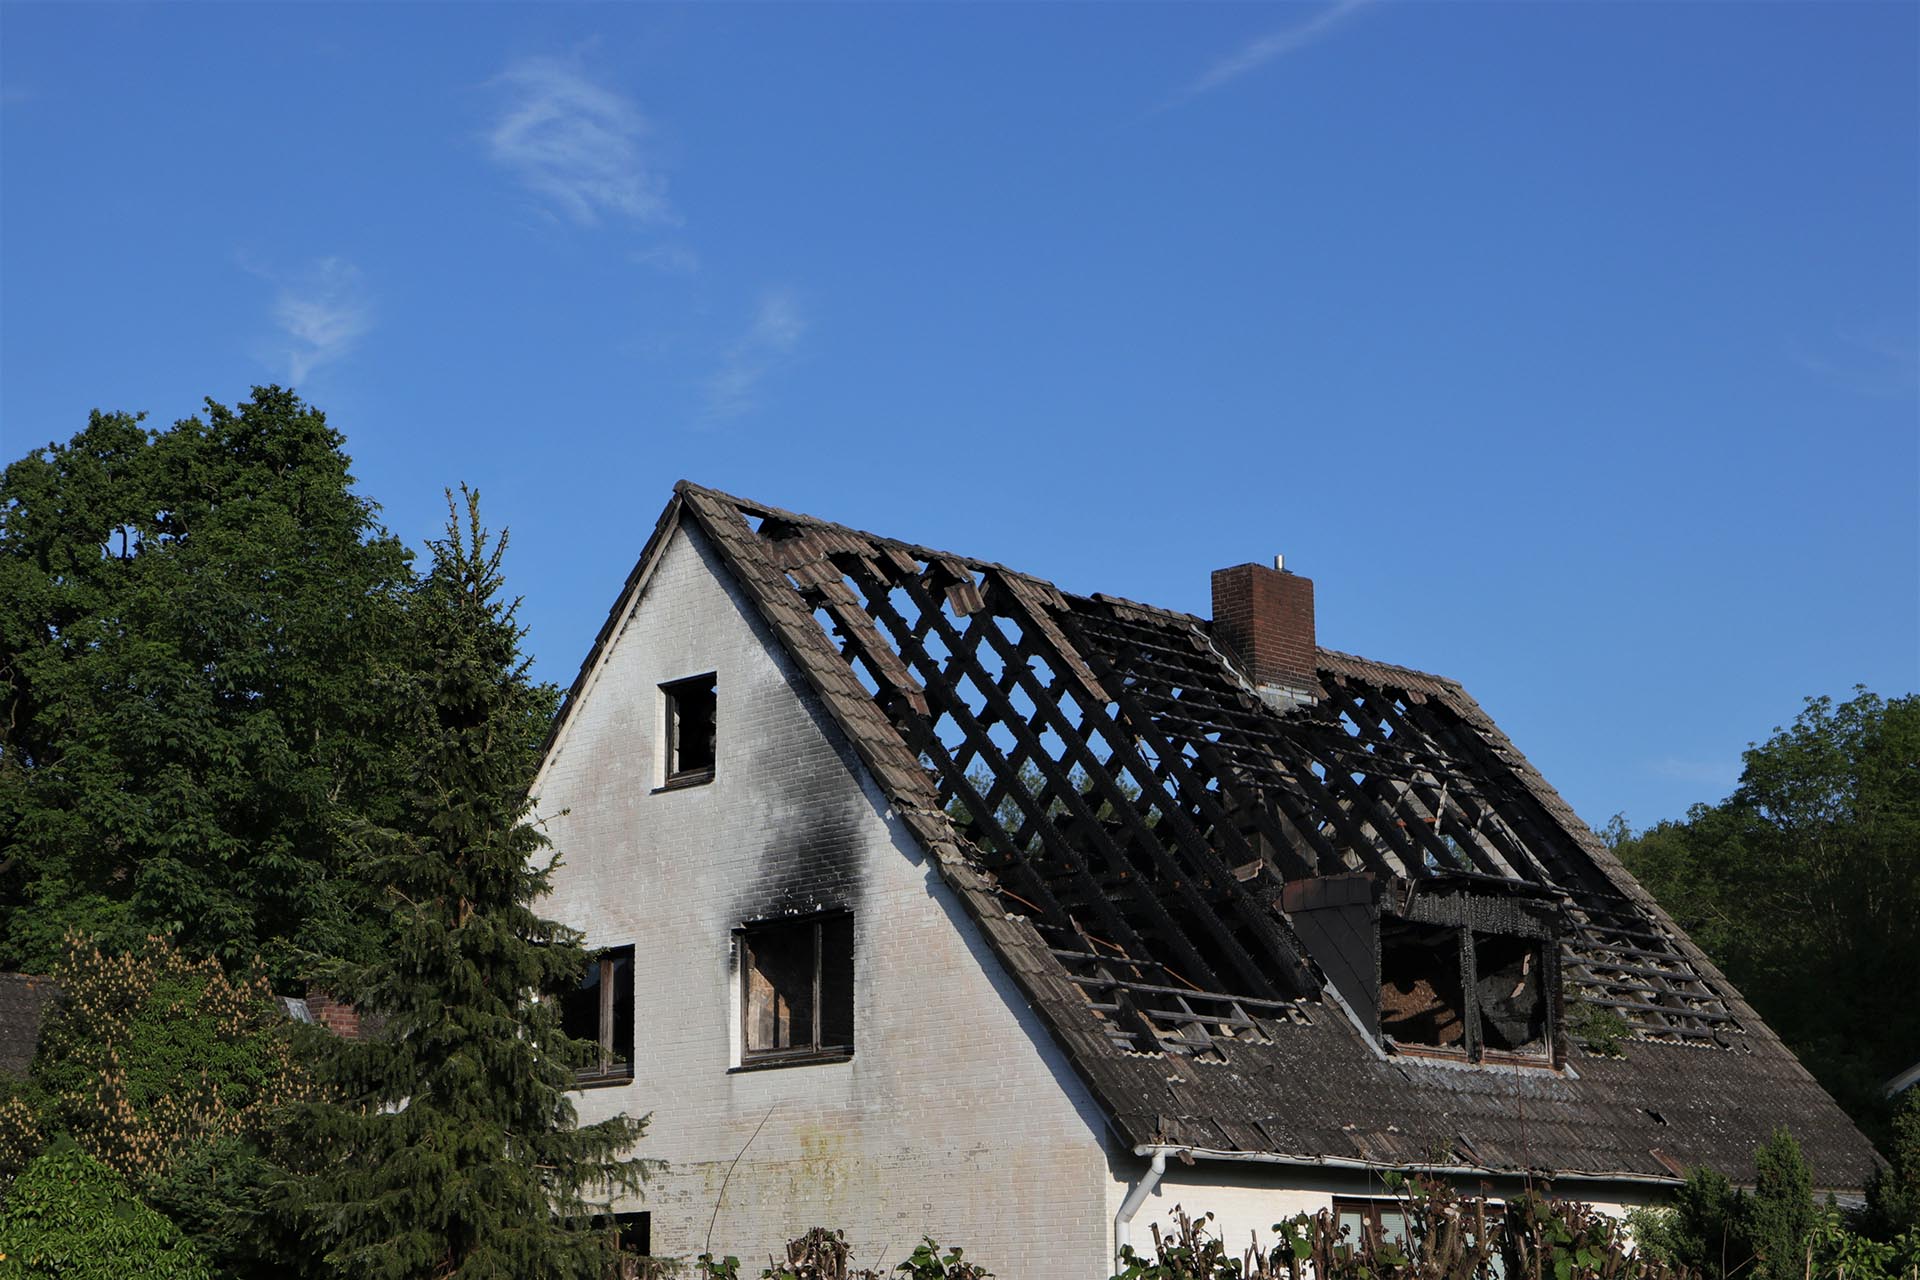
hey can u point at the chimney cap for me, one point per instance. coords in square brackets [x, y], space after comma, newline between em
[1279, 562]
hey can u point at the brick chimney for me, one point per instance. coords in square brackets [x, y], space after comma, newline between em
[1264, 618]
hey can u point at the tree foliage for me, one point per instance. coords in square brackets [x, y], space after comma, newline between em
[1893, 1196]
[1717, 1231]
[1804, 886]
[170, 1073]
[193, 619]
[451, 1147]
[70, 1216]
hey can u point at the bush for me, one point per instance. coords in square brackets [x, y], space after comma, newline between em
[69, 1215]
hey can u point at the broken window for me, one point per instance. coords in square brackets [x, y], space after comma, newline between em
[1421, 1000]
[1510, 994]
[1463, 991]
[690, 729]
[600, 1010]
[797, 988]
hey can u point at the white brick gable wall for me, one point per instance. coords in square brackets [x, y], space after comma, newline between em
[956, 1117]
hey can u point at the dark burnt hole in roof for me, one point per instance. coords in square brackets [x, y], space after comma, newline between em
[1138, 802]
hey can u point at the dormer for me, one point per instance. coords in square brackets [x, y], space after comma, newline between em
[1445, 966]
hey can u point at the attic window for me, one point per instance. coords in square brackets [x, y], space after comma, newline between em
[1510, 994]
[600, 1010]
[690, 730]
[1421, 997]
[1452, 990]
[796, 997]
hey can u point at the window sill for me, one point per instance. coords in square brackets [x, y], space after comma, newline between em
[681, 781]
[793, 1060]
[1441, 1055]
[601, 1081]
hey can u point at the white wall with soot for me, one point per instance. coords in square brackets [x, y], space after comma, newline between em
[956, 1117]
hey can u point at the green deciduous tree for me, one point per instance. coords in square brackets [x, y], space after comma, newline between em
[452, 1147]
[172, 1074]
[190, 625]
[70, 1216]
[1804, 886]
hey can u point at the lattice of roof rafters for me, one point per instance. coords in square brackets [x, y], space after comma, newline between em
[1141, 805]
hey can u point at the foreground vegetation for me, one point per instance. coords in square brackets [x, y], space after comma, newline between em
[1714, 1232]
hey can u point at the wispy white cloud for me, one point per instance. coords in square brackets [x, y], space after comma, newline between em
[577, 144]
[768, 345]
[1260, 51]
[670, 259]
[321, 312]
[1879, 364]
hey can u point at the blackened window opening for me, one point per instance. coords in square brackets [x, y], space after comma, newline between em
[690, 728]
[797, 988]
[633, 1240]
[1510, 992]
[600, 1010]
[1421, 996]
[1453, 990]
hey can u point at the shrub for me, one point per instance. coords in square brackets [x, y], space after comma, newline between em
[71, 1216]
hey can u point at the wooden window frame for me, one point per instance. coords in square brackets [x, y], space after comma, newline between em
[672, 692]
[755, 1059]
[610, 1070]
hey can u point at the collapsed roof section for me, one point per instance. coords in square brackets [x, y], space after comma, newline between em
[1129, 793]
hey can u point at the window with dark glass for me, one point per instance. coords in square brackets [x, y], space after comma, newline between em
[796, 995]
[600, 1010]
[690, 729]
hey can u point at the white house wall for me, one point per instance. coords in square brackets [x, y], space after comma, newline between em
[956, 1117]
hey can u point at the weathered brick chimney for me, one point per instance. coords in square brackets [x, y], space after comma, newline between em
[1264, 618]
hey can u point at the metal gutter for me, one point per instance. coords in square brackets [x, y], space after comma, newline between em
[1382, 1166]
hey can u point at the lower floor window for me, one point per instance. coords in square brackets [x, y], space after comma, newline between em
[1387, 1220]
[633, 1235]
[796, 994]
[600, 1010]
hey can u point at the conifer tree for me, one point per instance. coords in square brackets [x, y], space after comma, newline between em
[451, 1148]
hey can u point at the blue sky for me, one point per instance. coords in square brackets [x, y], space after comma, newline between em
[1570, 348]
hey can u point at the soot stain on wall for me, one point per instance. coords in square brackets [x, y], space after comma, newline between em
[814, 825]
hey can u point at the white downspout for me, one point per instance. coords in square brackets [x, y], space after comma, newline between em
[1131, 1205]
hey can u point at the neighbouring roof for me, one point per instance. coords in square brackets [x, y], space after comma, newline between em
[23, 1003]
[1120, 811]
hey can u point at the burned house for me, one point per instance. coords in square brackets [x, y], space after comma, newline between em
[928, 898]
